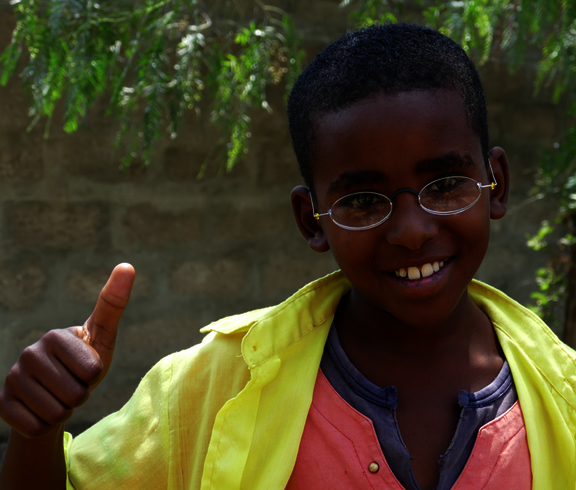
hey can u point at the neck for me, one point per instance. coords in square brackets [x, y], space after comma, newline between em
[376, 339]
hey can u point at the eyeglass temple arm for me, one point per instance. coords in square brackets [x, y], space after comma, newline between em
[493, 184]
[314, 213]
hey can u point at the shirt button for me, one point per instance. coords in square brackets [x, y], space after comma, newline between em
[373, 467]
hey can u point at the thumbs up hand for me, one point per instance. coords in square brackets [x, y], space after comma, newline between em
[56, 374]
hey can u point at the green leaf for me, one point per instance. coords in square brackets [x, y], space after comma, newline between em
[79, 52]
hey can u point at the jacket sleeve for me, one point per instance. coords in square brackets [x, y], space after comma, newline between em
[128, 449]
[159, 439]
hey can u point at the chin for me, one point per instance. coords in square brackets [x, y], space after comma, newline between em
[424, 313]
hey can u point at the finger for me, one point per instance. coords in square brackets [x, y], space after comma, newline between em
[31, 410]
[22, 420]
[42, 403]
[61, 354]
[63, 385]
[100, 329]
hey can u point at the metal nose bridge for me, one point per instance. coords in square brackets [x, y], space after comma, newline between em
[411, 191]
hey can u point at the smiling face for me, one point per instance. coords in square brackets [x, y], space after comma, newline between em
[415, 266]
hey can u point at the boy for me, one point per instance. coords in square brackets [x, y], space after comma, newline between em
[426, 380]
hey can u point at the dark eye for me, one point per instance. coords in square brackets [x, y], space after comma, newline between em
[361, 209]
[447, 185]
[361, 201]
[449, 194]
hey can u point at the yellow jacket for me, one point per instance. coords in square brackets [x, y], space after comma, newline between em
[229, 413]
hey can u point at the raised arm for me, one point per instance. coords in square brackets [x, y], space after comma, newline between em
[51, 378]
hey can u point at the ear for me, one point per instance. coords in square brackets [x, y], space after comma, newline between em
[309, 226]
[499, 196]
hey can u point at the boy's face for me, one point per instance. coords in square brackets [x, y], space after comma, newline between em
[390, 143]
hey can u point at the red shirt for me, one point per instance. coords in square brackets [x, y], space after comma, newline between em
[339, 449]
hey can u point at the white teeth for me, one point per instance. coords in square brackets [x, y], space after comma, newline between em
[425, 270]
[413, 273]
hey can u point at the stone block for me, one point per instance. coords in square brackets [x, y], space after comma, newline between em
[90, 154]
[143, 344]
[59, 225]
[185, 164]
[225, 277]
[199, 148]
[288, 275]
[19, 288]
[21, 157]
[85, 286]
[250, 223]
[277, 164]
[15, 107]
[144, 224]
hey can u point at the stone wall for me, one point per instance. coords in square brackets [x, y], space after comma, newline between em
[202, 249]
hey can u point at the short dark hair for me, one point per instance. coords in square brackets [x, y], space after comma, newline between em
[381, 59]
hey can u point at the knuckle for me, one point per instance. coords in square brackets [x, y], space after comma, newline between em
[52, 337]
[13, 378]
[56, 415]
[29, 354]
[77, 396]
[23, 421]
[92, 367]
[35, 351]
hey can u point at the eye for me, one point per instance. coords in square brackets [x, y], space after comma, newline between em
[447, 185]
[361, 210]
[449, 194]
[361, 201]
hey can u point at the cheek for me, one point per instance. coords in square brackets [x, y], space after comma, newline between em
[473, 230]
[352, 249]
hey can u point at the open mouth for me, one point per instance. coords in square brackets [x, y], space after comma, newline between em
[415, 273]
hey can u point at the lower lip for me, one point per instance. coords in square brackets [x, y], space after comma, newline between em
[424, 283]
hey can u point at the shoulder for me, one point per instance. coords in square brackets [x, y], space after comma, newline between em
[533, 350]
[235, 343]
[217, 360]
[513, 320]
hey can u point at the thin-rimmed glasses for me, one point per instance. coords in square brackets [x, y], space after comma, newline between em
[445, 196]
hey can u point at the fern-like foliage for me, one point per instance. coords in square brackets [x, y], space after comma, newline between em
[152, 60]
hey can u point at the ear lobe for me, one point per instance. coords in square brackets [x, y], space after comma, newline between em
[499, 195]
[308, 225]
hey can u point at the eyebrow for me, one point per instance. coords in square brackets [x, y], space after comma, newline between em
[449, 162]
[350, 179]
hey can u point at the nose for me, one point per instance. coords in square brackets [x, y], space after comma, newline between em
[409, 225]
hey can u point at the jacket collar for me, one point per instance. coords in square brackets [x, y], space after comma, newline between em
[272, 330]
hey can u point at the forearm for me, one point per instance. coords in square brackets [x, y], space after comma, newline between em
[34, 463]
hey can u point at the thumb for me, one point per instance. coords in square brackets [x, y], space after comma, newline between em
[100, 329]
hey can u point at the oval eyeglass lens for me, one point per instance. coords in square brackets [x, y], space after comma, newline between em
[449, 194]
[361, 209]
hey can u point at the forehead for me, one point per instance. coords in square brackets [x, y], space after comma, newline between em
[392, 136]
